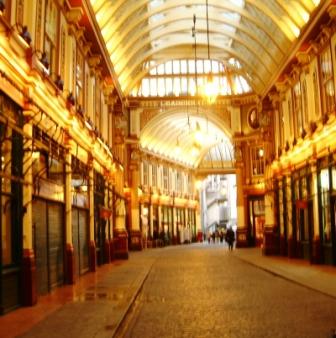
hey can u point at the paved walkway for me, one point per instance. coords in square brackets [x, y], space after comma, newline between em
[96, 305]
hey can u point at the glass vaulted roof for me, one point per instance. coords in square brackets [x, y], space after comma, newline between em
[256, 33]
[157, 46]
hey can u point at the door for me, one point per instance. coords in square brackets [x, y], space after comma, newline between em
[80, 237]
[48, 244]
[41, 245]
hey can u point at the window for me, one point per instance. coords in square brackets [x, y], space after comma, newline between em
[297, 109]
[165, 179]
[305, 103]
[178, 182]
[327, 82]
[281, 126]
[325, 205]
[160, 82]
[145, 173]
[316, 95]
[79, 78]
[154, 175]
[257, 160]
[290, 116]
[51, 33]
[48, 168]
[11, 156]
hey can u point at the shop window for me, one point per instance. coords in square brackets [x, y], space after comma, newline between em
[325, 206]
[11, 155]
[327, 82]
[79, 183]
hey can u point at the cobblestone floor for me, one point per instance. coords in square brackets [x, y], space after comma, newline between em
[206, 291]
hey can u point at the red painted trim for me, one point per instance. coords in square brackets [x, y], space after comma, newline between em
[92, 256]
[107, 256]
[112, 249]
[29, 288]
[70, 264]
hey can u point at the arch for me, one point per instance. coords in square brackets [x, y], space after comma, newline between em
[181, 125]
[124, 60]
[244, 62]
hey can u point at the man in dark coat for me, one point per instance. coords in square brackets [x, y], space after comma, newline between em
[230, 237]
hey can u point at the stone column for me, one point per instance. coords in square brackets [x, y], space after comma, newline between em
[92, 244]
[112, 218]
[107, 256]
[289, 207]
[241, 236]
[270, 246]
[175, 235]
[28, 262]
[316, 255]
[70, 258]
[136, 235]
[283, 239]
[199, 231]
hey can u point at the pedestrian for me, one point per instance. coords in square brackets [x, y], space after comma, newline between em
[209, 237]
[221, 236]
[230, 238]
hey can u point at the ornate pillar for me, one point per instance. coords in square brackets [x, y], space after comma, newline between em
[70, 259]
[92, 244]
[314, 236]
[29, 288]
[270, 246]
[107, 256]
[199, 231]
[111, 221]
[289, 209]
[136, 235]
[281, 211]
[242, 230]
[175, 228]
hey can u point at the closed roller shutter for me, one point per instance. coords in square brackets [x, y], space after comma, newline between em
[80, 236]
[41, 245]
[55, 237]
[75, 240]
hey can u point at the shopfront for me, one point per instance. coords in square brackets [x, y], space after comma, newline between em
[80, 215]
[327, 207]
[256, 212]
[101, 228]
[48, 211]
[302, 209]
[11, 173]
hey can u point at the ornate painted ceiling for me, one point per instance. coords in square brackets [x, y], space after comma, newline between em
[250, 38]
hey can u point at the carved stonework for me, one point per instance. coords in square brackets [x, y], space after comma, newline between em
[332, 12]
[74, 15]
[87, 47]
[94, 60]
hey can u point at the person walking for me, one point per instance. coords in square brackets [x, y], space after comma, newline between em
[230, 238]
